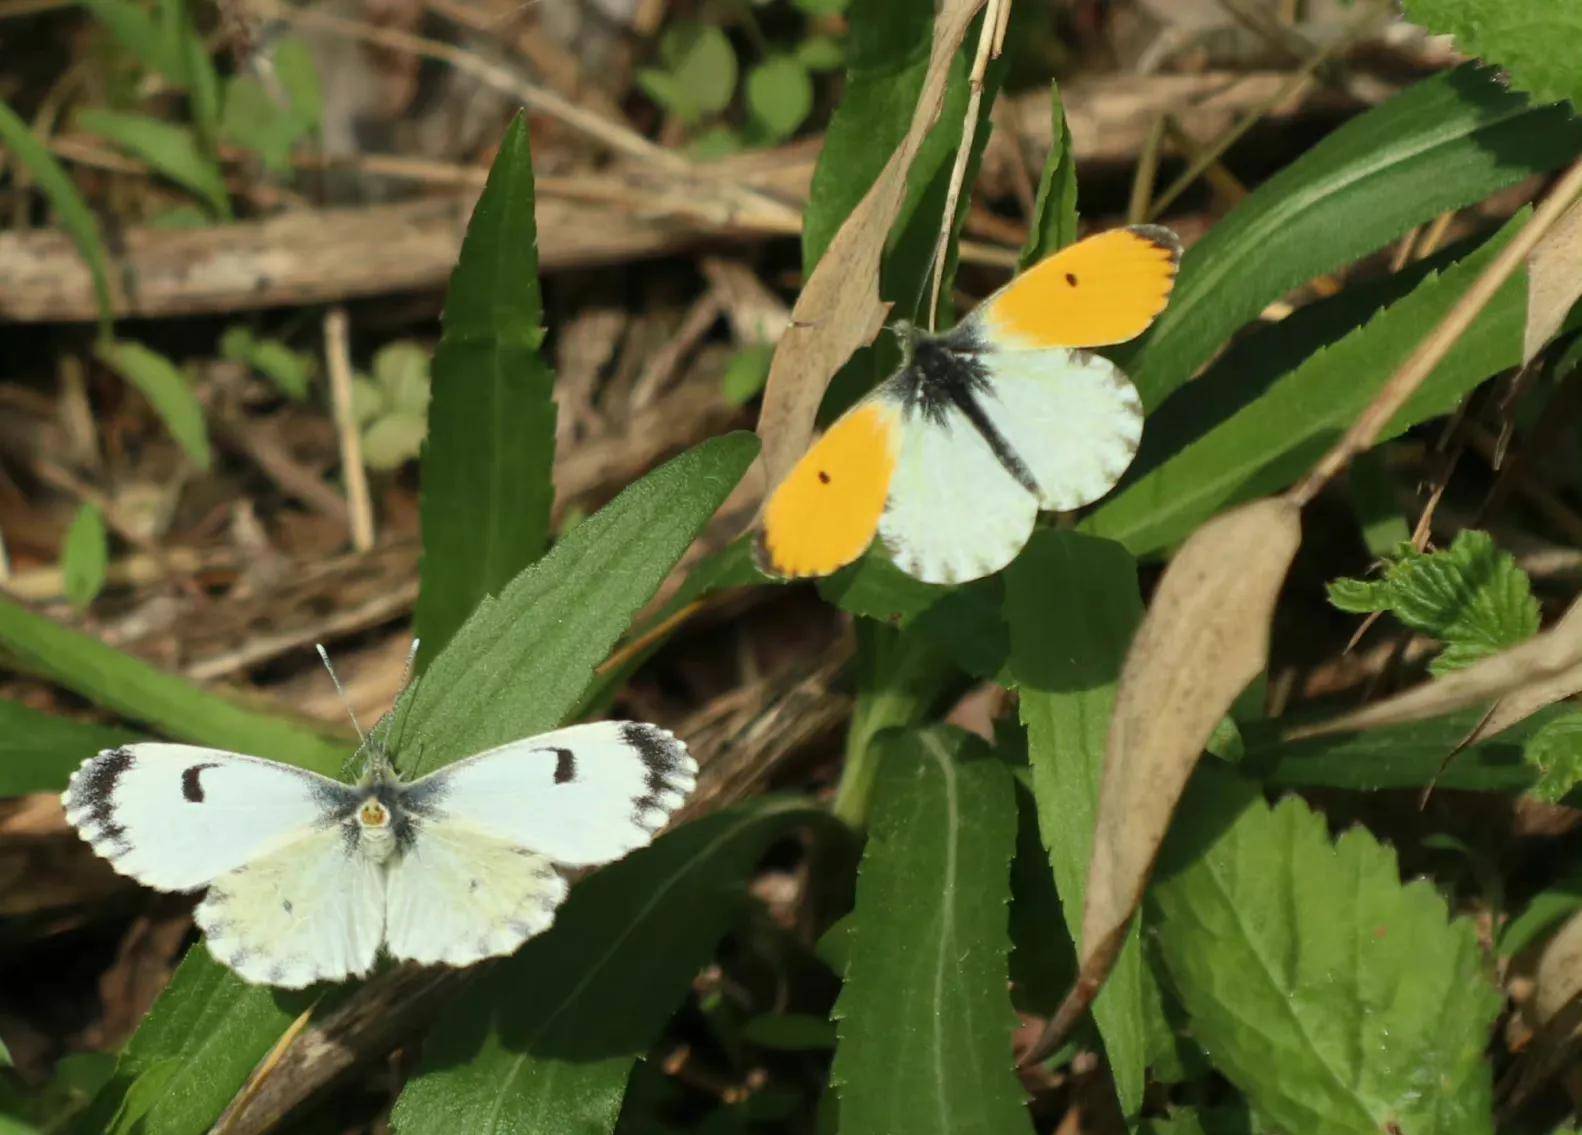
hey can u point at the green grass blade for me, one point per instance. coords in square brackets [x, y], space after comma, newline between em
[74, 215]
[1272, 440]
[1340, 1001]
[487, 485]
[170, 705]
[168, 391]
[1072, 604]
[524, 658]
[39, 751]
[545, 1041]
[172, 151]
[1445, 142]
[1054, 223]
[85, 557]
[925, 1017]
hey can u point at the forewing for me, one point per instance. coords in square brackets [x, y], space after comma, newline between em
[578, 796]
[1102, 290]
[1072, 418]
[955, 511]
[457, 896]
[310, 910]
[825, 513]
[176, 816]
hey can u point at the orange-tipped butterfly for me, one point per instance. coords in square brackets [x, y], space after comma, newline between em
[950, 459]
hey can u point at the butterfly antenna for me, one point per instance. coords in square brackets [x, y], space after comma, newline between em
[341, 690]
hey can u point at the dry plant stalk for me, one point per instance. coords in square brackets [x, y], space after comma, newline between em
[839, 309]
[1521, 681]
[990, 43]
[1554, 281]
[1204, 638]
[338, 363]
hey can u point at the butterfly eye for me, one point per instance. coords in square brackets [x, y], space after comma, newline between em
[373, 815]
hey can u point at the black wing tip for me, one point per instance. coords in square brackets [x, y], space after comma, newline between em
[671, 773]
[89, 802]
[1160, 237]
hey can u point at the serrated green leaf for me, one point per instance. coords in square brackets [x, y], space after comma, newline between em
[170, 150]
[74, 215]
[1073, 605]
[524, 658]
[168, 391]
[1338, 1000]
[488, 462]
[1555, 751]
[545, 1041]
[1271, 441]
[171, 705]
[1054, 221]
[1471, 596]
[1533, 41]
[779, 96]
[40, 751]
[924, 1017]
[1445, 142]
[85, 557]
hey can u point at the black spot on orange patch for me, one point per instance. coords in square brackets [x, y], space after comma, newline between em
[1071, 279]
[823, 477]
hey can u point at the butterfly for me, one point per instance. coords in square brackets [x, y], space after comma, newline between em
[309, 877]
[950, 459]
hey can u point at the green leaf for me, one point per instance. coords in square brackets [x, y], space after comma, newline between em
[85, 557]
[40, 751]
[820, 53]
[544, 1041]
[136, 31]
[1271, 441]
[394, 440]
[199, 78]
[299, 78]
[1471, 596]
[1073, 605]
[171, 705]
[924, 1016]
[1531, 40]
[1543, 912]
[1054, 223]
[252, 120]
[169, 149]
[1441, 144]
[197, 1045]
[1373, 497]
[290, 370]
[1555, 751]
[168, 391]
[75, 216]
[1337, 999]
[700, 71]
[487, 466]
[746, 373]
[523, 659]
[779, 96]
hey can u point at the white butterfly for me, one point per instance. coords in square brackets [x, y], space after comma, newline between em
[308, 877]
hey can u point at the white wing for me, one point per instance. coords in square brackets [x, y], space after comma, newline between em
[954, 512]
[1071, 416]
[177, 816]
[457, 896]
[310, 910]
[578, 796]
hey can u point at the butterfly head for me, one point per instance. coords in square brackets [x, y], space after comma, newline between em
[907, 335]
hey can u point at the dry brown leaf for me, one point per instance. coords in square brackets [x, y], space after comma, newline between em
[1554, 281]
[1558, 977]
[839, 309]
[1521, 681]
[1205, 637]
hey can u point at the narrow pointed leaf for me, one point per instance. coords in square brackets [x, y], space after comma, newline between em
[39, 751]
[487, 485]
[168, 391]
[1073, 606]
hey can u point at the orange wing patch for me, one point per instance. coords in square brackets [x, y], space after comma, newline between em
[826, 511]
[1102, 290]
